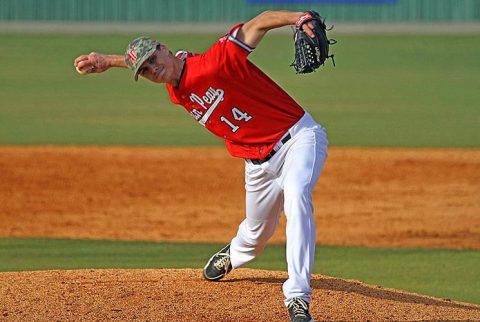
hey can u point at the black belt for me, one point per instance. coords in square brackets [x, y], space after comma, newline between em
[272, 153]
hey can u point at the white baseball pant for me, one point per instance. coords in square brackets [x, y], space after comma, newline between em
[285, 182]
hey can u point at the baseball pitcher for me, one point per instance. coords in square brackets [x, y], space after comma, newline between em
[284, 149]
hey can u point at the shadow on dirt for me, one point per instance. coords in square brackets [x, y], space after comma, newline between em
[373, 291]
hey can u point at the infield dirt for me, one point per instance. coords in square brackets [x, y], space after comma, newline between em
[374, 197]
[371, 197]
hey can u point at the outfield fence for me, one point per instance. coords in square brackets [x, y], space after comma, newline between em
[236, 10]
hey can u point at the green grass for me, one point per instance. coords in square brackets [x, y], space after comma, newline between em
[437, 272]
[387, 90]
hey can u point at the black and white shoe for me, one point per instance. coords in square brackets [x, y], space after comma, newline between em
[298, 311]
[218, 265]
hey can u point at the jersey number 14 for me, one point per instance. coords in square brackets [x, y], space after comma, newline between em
[238, 116]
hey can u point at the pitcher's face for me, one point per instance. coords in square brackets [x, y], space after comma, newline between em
[159, 67]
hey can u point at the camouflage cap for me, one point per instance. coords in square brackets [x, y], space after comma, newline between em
[138, 51]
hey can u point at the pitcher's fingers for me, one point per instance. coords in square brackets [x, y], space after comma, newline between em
[80, 59]
[308, 28]
[93, 56]
[85, 70]
[308, 31]
[84, 63]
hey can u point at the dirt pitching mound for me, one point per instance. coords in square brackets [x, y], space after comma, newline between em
[183, 295]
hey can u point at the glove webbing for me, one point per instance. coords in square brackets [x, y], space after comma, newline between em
[305, 55]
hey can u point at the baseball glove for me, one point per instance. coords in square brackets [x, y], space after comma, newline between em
[311, 53]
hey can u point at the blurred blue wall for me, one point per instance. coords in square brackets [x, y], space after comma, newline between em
[236, 10]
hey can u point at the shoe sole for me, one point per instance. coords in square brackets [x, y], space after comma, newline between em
[214, 279]
[311, 320]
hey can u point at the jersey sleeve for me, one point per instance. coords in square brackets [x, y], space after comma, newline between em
[228, 54]
[238, 46]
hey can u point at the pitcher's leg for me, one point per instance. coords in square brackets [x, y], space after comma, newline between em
[300, 251]
[301, 171]
[264, 203]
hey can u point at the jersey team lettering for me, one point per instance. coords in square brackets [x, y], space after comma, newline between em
[208, 103]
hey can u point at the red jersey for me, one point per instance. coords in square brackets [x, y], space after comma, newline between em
[234, 99]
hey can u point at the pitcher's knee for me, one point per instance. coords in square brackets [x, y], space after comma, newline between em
[257, 238]
[298, 202]
[298, 190]
[257, 233]
[299, 194]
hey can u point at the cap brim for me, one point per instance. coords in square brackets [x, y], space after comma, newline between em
[147, 56]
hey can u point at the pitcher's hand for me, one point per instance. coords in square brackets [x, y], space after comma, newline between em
[92, 63]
